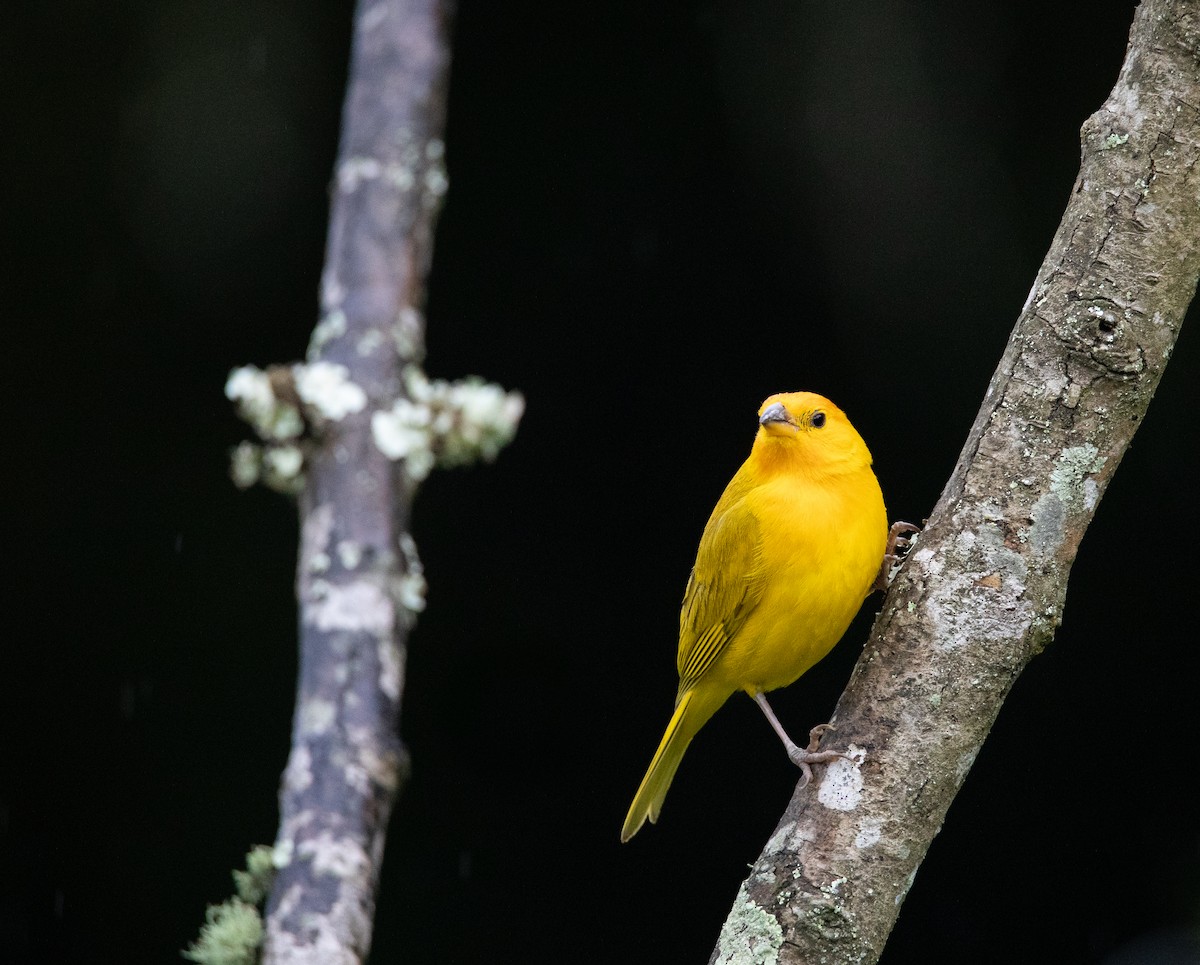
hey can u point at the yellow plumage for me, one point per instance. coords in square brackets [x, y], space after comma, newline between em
[792, 548]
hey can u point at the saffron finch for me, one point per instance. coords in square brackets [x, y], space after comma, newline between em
[795, 544]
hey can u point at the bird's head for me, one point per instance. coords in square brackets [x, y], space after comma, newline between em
[805, 429]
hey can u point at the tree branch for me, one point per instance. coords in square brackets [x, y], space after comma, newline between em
[983, 591]
[358, 580]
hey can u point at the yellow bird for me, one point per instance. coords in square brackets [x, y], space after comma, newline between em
[796, 543]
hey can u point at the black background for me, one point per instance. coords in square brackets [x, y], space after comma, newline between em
[659, 214]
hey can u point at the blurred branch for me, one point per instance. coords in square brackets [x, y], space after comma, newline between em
[352, 431]
[358, 579]
[983, 591]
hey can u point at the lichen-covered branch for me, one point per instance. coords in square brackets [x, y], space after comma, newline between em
[358, 579]
[983, 591]
[352, 430]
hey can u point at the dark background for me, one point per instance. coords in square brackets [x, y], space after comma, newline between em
[659, 214]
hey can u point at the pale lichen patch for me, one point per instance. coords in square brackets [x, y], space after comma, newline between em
[407, 332]
[249, 388]
[341, 857]
[869, 831]
[391, 667]
[326, 388]
[298, 773]
[977, 604]
[281, 854]
[281, 466]
[316, 716]
[927, 560]
[1048, 525]
[318, 528]
[780, 838]
[245, 464]
[842, 785]
[360, 605]
[349, 554]
[750, 935]
[450, 423]
[1070, 470]
[331, 327]
[403, 432]
[322, 941]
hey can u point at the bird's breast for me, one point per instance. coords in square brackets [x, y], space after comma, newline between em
[821, 549]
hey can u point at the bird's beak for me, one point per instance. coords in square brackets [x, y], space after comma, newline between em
[775, 413]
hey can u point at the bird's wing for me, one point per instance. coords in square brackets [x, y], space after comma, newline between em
[726, 584]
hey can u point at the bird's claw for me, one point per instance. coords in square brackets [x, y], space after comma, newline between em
[816, 733]
[893, 553]
[803, 757]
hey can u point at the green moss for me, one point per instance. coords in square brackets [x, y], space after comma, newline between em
[233, 930]
[254, 883]
[231, 935]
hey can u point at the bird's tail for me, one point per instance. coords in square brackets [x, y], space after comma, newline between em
[692, 711]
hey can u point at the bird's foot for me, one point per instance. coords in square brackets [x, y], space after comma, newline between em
[802, 757]
[893, 553]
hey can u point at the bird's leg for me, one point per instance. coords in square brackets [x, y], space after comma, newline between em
[896, 545]
[800, 756]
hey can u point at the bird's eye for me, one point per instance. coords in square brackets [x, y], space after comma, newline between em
[817, 420]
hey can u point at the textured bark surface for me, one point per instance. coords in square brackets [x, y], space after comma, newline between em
[357, 571]
[983, 590]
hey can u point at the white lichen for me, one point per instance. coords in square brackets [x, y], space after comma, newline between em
[339, 857]
[331, 327]
[411, 587]
[371, 340]
[404, 432]
[326, 387]
[245, 464]
[411, 592]
[282, 466]
[281, 854]
[349, 554]
[298, 775]
[487, 418]
[447, 423]
[391, 667]
[436, 180]
[360, 605]
[249, 388]
[842, 785]
[355, 170]
[316, 715]
[407, 332]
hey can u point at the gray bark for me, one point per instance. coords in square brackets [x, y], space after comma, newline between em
[357, 568]
[982, 593]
